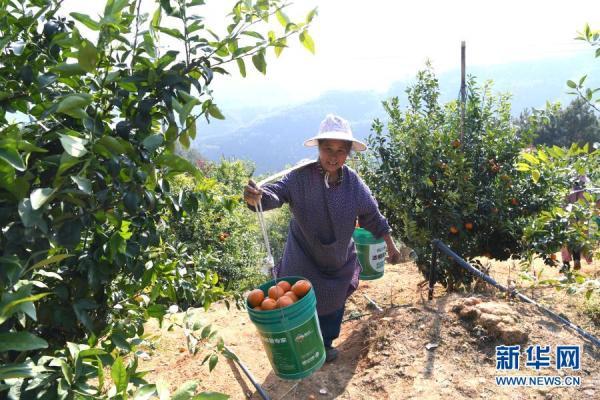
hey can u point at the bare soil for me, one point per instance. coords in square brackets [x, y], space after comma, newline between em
[414, 349]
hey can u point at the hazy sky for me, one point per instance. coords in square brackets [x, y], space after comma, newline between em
[369, 45]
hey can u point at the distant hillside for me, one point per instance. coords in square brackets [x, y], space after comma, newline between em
[274, 139]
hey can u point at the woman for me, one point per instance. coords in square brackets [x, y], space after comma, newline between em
[325, 198]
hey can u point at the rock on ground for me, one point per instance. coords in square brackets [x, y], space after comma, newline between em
[499, 320]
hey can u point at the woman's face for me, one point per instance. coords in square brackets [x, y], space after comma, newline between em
[333, 154]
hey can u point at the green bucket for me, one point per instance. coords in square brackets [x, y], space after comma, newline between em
[291, 335]
[371, 254]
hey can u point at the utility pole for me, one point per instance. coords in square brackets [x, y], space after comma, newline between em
[463, 89]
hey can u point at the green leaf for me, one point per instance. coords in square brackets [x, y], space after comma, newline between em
[18, 371]
[185, 391]
[145, 392]
[21, 341]
[205, 332]
[190, 124]
[66, 70]
[281, 44]
[171, 32]
[176, 164]
[214, 111]
[114, 7]
[80, 308]
[253, 34]
[259, 62]
[571, 84]
[241, 66]
[84, 184]
[91, 353]
[7, 310]
[212, 362]
[112, 144]
[66, 162]
[307, 41]
[171, 133]
[535, 175]
[100, 374]
[184, 139]
[74, 146]
[40, 196]
[530, 158]
[120, 341]
[12, 157]
[50, 260]
[67, 372]
[311, 15]
[31, 217]
[282, 18]
[87, 56]
[118, 372]
[156, 18]
[73, 105]
[86, 20]
[211, 396]
[187, 108]
[153, 142]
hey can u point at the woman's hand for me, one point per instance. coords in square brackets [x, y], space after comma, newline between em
[394, 256]
[252, 194]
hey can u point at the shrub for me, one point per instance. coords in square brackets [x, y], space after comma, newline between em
[221, 234]
[431, 183]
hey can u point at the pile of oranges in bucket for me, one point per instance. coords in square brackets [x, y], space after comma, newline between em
[281, 295]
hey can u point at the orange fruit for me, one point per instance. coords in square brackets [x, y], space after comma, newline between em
[268, 304]
[258, 308]
[495, 210]
[285, 285]
[553, 257]
[469, 226]
[453, 230]
[223, 236]
[514, 201]
[456, 143]
[275, 292]
[255, 297]
[301, 287]
[291, 295]
[284, 301]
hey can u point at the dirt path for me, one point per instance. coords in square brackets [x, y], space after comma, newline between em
[385, 355]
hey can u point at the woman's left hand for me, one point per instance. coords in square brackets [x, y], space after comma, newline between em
[394, 256]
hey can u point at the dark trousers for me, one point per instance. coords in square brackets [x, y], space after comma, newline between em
[330, 326]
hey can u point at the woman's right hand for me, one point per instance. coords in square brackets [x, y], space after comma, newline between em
[252, 194]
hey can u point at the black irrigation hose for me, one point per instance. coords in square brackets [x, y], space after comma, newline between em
[259, 388]
[437, 244]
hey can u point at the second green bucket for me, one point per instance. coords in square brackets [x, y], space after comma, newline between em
[291, 336]
[371, 254]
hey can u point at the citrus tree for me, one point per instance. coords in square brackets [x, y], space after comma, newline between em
[221, 232]
[571, 221]
[433, 184]
[565, 223]
[90, 114]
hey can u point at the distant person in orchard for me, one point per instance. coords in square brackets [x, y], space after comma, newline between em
[325, 198]
[572, 251]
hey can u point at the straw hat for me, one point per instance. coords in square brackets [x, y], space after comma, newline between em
[334, 127]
